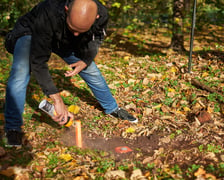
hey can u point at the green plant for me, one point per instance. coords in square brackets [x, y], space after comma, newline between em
[210, 148]
[192, 169]
[216, 107]
[138, 87]
[176, 169]
[168, 101]
[213, 148]
[211, 168]
[150, 165]
[123, 167]
[104, 165]
[52, 160]
[201, 148]
[172, 135]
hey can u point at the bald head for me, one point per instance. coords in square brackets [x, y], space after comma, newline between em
[81, 15]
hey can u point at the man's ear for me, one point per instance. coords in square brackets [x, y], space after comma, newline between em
[66, 8]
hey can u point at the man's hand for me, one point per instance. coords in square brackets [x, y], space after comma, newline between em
[78, 66]
[61, 110]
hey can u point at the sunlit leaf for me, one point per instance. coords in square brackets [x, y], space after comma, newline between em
[126, 57]
[171, 90]
[74, 109]
[187, 109]
[200, 171]
[157, 106]
[66, 157]
[130, 130]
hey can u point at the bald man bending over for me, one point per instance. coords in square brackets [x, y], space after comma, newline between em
[72, 29]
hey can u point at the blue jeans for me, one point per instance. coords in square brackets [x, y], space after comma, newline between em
[20, 76]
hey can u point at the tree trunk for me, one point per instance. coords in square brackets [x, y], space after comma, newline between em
[177, 43]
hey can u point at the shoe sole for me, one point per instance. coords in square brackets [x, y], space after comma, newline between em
[10, 146]
[135, 121]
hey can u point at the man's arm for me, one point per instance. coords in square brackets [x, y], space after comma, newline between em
[40, 52]
[89, 55]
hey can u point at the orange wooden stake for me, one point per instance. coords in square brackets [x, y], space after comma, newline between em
[78, 133]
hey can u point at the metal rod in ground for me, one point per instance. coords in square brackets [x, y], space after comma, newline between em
[78, 133]
[192, 36]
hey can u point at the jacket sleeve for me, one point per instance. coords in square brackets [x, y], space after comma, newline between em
[41, 50]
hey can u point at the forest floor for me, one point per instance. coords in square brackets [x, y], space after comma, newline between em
[180, 133]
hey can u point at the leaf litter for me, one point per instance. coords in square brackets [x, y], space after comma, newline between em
[179, 134]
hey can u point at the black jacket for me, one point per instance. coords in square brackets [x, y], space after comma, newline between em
[46, 22]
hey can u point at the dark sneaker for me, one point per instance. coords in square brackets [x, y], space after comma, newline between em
[14, 138]
[123, 114]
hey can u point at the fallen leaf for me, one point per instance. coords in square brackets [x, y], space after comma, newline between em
[36, 97]
[155, 76]
[117, 174]
[147, 174]
[74, 109]
[180, 112]
[210, 176]
[164, 108]
[2, 151]
[2, 118]
[145, 81]
[173, 69]
[53, 149]
[8, 172]
[204, 116]
[39, 168]
[186, 109]
[205, 74]
[72, 163]
[157, 106]
[66, 157]
[22, 176]
[65, 93]
[79, 178]
[148, 111]
[130, 130]
[171, 90]
[210, 110]
[13, 171]
[126, 57]
[147, 160]
[200, 171]
[165, 139]
[131, 81]
[130, 106]
[222, 157]
[136, 174]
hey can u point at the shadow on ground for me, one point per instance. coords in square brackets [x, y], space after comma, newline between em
[211, 55]
[83, 94]
[137, 47]
[140, 48]
[14, 157]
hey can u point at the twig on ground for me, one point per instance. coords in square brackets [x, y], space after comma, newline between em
[202, 86]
